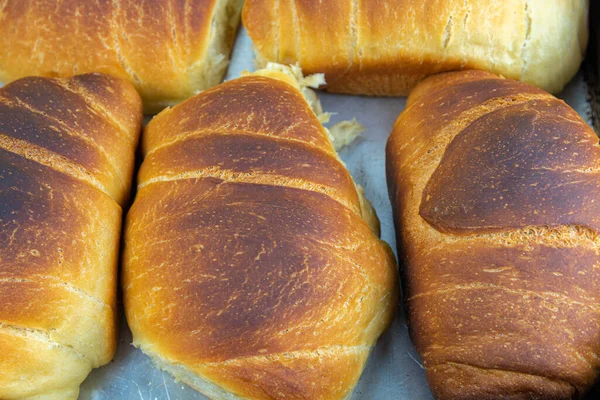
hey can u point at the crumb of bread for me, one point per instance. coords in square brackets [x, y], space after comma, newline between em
[345, 132]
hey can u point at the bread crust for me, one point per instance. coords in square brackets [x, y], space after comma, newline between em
[385, 47]
[168, 49]
[249, 271]
[66, 163]
[492, 183]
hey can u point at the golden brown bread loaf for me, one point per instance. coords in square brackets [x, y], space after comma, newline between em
[385, 47]
[66, 163]
[249, 271]
[168, 49]
[494, 185]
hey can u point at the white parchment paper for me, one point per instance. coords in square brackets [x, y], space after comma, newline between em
[394, 370]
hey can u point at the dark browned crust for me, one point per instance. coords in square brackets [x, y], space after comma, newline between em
[252, 157]
[75, 122]
[255, 105]
[259, 249]
[65, 164]
[494, 185]
[534, 163]
[247, 260]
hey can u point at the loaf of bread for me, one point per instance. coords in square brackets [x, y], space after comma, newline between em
[385, 47]
[495, 185]
[168, 49]
[66, 163]
[251, 268]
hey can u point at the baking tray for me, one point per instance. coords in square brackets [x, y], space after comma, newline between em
[394, 370]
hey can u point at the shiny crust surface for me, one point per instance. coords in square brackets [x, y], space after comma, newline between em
[168, 49]
[493, 184]
[247, 261]
[386, 47]
[66, 161]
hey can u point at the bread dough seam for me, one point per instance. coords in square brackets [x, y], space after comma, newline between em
[322, 351]
[55, 282]
[51, 160]
[255, 179]
[97, 107]
[233, 132]
[41, 336]
[553, 297]
[18, 103]
[463, 365]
